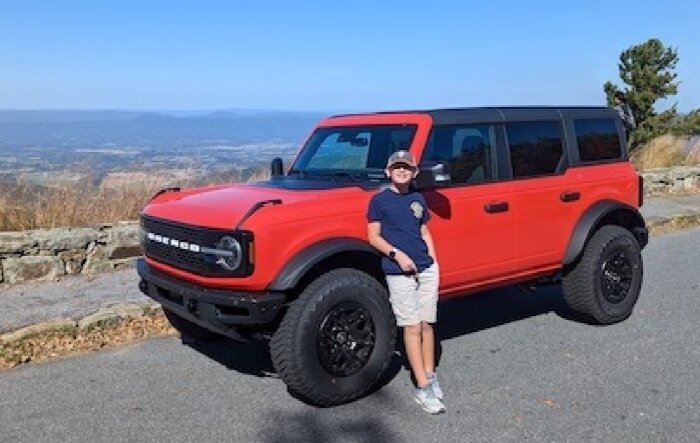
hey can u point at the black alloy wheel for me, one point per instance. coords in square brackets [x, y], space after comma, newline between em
[616, 275]
[346, 339]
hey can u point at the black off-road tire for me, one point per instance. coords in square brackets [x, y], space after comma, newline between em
[190, 331]
[299, 344]
[595, 285]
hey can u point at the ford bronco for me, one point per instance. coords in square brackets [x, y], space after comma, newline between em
[517, 196]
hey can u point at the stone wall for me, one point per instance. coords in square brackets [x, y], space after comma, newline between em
[671, 180]
[46, 254]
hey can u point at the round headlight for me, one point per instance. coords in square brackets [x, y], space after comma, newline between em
[231, 261]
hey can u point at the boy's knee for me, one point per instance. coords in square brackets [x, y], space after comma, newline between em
[413, 329]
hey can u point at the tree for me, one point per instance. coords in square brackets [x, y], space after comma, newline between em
[648, 71]
[688, 124]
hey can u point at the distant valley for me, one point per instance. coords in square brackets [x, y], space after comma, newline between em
[38, 144]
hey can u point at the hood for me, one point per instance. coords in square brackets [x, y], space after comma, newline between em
[225, 206]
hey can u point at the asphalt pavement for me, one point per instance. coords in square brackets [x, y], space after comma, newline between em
[513, 366]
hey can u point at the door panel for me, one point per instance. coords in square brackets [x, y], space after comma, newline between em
[472, 244]
[543, 220]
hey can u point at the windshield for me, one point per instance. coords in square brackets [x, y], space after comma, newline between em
[351, 150]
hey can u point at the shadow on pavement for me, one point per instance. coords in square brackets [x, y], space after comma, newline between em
[249, 358]
[456, 317]
[316, 426]
[473, 313]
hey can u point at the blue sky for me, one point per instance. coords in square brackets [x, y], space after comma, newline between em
[334, 56]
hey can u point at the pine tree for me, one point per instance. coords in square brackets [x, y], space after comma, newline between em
[648, 71]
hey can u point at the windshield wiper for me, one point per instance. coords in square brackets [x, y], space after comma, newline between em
[351, 176]
[301, 172]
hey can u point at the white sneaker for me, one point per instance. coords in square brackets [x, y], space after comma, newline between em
[435, 384]
[426, 398]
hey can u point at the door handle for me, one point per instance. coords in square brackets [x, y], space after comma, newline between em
[492, 208]
[569, 196]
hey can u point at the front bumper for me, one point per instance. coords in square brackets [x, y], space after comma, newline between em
[218, 310]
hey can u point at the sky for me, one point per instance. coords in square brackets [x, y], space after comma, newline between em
[336, 56]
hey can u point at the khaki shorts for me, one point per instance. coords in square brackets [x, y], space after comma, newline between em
[414, 298]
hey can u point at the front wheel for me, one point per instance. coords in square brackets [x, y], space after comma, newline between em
[604, 285]
[337, 338]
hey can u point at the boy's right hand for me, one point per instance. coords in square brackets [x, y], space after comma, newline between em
[405, 263]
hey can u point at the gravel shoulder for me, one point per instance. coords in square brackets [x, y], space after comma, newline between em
[71, 297]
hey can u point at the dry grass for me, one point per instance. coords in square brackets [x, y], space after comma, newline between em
[676, 223]
[664, 152]
[71, 202]
[51, 345]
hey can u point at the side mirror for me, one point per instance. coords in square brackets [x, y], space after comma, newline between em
[276, 167]
[433, 175]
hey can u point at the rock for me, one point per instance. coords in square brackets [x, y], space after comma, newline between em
[40, 328]
[122, 252]
[22, 269]
[17, 242]
[125, 263]
[678, 184]
[125, 241]
[127, 310]
[111, 314]
[101, 316]
[98, 260]
[73, 260]
[65, 238]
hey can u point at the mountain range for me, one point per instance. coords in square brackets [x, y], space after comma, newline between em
[156, 130]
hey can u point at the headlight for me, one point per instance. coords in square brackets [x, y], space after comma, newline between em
[229, 252]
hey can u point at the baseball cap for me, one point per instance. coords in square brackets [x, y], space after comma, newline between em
[401, 157]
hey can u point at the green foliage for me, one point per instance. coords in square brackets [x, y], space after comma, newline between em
[688, 124]
[648, 71]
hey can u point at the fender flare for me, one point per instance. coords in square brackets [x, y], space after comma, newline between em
[295, 269]
[590, 219]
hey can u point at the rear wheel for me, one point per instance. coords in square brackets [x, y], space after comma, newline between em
[604, 285]
[337, 338]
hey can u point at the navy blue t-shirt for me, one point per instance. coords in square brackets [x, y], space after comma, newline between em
[401, 217]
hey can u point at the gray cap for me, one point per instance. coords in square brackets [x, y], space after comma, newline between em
[401, 157]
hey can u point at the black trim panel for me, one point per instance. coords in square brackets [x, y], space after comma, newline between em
[589, 220]
[215, 309]
[306, 259]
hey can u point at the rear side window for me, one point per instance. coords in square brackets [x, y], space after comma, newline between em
[467, 149]
[597, 139]
[535, 148]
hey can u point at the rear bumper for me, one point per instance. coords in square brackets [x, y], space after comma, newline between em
[215, 309]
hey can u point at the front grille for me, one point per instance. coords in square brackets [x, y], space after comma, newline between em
[188, 260]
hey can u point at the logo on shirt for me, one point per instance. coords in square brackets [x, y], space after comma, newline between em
[417, 209]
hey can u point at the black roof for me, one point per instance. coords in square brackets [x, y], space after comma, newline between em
[510, 113]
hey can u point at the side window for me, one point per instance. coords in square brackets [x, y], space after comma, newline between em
[535, 148]
[597, 139]
[467, 149]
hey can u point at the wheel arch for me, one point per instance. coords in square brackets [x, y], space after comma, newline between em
[606, 212]
[318, 258]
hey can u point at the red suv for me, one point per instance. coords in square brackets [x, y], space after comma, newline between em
[517, 195]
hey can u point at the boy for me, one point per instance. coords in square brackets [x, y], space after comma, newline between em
[397, 228]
